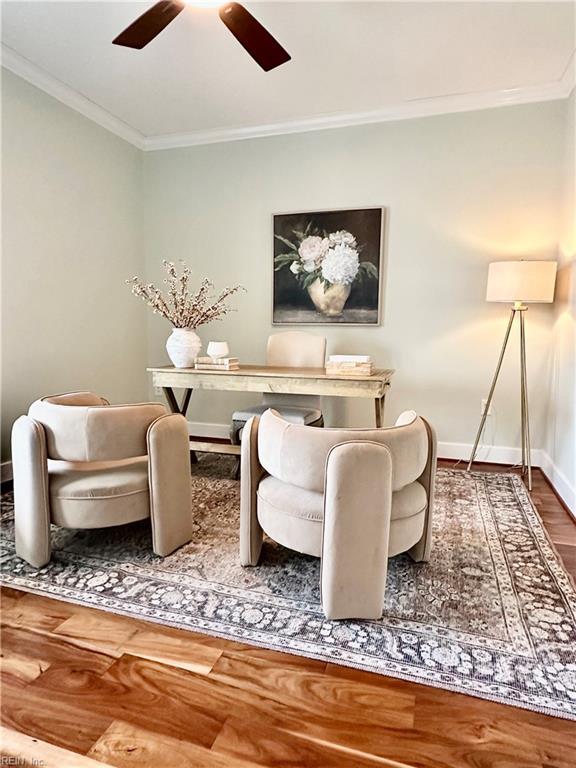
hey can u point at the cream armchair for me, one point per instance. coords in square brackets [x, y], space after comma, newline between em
[353, 497]
[79, 462]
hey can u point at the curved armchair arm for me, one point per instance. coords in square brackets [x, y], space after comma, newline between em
[169, 482]
[420, 552]
[31, 494]
[357, 510]
[251, 472]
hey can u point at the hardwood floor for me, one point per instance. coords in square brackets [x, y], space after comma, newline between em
[85, 689]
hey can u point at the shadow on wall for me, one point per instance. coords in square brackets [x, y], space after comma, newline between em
[561, 421]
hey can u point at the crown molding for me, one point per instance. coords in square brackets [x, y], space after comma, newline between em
[68, 96]
[408, 110]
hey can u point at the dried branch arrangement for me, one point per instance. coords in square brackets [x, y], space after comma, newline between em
[178, 305]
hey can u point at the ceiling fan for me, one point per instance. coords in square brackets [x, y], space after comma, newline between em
[259, 43]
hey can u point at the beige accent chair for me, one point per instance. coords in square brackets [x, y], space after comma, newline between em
[353, 497]
[289, 349]
[79, 462]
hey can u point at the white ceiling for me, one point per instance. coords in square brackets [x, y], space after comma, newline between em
[348, 58]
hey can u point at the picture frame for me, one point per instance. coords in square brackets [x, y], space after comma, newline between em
[328, 266]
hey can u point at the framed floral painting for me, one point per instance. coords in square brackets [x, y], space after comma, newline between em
[328, 267]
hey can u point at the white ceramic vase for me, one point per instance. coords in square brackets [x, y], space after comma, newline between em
[183, 347]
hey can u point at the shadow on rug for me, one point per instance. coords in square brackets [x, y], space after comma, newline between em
[491, 615]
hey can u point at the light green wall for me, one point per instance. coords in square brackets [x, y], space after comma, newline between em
[71, 225]
[461, 191]
[561, 422]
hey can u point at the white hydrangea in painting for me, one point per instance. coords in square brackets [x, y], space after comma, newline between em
[341, 264]
[326, 265]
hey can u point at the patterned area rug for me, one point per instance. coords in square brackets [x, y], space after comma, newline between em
[491, 615]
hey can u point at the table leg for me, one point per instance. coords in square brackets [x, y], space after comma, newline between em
[379, 410]
[182, 409]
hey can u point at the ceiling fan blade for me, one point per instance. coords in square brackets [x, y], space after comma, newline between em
[259, 43]
[150, 24]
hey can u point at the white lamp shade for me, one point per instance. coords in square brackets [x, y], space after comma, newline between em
[525, 281]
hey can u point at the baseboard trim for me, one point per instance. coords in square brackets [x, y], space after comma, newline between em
[560, 483]
[491, 454]
[206, 429]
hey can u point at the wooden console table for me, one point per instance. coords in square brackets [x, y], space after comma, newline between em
[255, 378]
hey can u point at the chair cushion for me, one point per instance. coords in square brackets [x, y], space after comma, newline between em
[292, 413]
[293, 516]
[292, 501]
[405, 532]
[98, 494]
[408, 501]
[97, 480]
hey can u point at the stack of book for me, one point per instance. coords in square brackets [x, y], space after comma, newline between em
[350, 365]
[217, 364]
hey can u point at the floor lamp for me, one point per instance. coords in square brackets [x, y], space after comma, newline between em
[519, 283]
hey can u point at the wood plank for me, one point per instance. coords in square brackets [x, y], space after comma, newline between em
[354, 704]
[55, 651]
[37, 612]
[287, 660]
[15, 594]
[414, 747]
[279, 658]
[127, 746]
[105, 632]
[177, 651]
[486, 727]
[503, 730]
[7, 603]
[325, 714]
[20, 670]
[19, 749]
[82, 626]
[43, 715]
[561, 531]
[223, 644]
[441, 697]
[568, 556]
[130, 699]
[275, 748]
